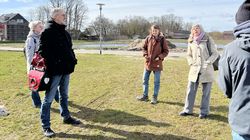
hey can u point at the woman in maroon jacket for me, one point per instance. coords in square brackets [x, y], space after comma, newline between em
[155, 50]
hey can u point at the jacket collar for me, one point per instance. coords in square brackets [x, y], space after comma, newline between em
[53, 24]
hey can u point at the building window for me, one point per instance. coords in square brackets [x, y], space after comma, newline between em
[19, 20]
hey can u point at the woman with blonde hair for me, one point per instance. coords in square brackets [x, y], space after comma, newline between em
[201, 70]
[31, 46]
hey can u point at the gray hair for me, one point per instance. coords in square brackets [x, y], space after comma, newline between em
[33, 24]
[55, 12]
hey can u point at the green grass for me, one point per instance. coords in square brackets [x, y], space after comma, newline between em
[102, 95]
[177, 40]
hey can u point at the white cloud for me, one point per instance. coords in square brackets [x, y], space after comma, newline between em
[2, 1]
[24, 1]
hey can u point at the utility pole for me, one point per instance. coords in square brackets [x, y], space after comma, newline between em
[100, 36]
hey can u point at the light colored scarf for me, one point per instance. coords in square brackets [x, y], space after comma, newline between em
[197, 39]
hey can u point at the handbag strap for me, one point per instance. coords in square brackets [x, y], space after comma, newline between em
[209, 47]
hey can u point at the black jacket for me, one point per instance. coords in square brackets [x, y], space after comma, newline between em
[56, 48]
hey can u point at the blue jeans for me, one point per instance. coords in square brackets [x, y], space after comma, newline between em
[157, 76]
[36, 101]
[63, 82]
[236, 136]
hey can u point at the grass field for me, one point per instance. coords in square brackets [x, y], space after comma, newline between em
[102, 95]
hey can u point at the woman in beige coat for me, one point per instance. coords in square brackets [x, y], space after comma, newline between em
[201, 70]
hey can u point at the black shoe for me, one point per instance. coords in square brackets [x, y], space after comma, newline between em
[72, 121]
[142, 98]
[48, 132]
[37, 106]
[57, 100]
[201, 116]
[185, 114]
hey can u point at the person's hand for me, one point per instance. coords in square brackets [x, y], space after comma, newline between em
[146, 58]
[206, 63]
[204, 66]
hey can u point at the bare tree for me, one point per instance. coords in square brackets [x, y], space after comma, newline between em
[187, 26]
[41, 13]
[56, 3]
[131, 26]
[32, 15]
[109, 30]
[168, 23]
[75, 11]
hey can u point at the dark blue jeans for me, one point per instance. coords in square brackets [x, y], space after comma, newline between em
[36, 101]
[157, 77]
[61, 81]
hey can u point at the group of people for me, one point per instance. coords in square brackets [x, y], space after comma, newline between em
[234, 70]
[55, 45]
[199, 59]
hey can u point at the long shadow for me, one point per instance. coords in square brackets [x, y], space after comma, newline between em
[77, 136]
[111, 116]
[136, 135]
[123, 133]
[115, 117]
[217, 117]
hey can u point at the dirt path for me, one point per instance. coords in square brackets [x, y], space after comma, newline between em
[172, 54]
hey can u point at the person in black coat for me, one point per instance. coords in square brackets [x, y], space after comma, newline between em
[60, 60]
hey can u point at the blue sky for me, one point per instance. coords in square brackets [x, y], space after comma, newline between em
[214, 15]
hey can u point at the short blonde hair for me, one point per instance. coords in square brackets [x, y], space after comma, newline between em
[33, 24]
[197, 25]
[190, 39]
[55, 12]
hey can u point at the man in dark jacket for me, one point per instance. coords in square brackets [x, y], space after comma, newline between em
[234, 75]
[56, 48]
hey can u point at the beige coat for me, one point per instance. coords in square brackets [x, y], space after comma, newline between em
[200, 62]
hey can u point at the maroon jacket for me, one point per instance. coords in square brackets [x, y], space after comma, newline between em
[154, 48]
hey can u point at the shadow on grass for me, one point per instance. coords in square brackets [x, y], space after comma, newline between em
[137, 135]
[123, 133]
[118, 118]
[111, 116]
[78, 136]
[217, 117]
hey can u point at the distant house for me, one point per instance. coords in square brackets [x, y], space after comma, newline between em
[181, 34]
[13, 27]
[228, 35]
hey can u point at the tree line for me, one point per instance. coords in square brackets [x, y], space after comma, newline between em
[135, 26]
[128, 27]
[75, 10]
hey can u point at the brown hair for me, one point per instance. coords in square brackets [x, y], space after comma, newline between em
[154, 27]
